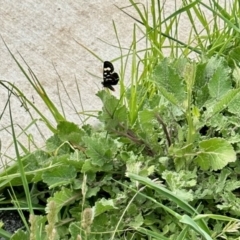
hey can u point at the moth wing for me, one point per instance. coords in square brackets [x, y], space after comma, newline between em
[108, 67]
[115, 79]
[109, 76]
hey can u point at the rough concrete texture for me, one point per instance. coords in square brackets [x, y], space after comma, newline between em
[46, 33]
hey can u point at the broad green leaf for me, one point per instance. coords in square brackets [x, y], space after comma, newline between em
[146, 118]
[20, 234]
[229, 99]
[53, 143]
[235, 103]
[110, 102]
[113, 113]
[232, 185]
[77, 159]
[169, 82]
[170, 97]
[60, 175]
[68, 131]
[220, 83]
[92, 191]
[215, 154]
[75, 230]
[137, 221]
[180, 65]
[31, 162]
[212, 65]
[89, 167]
[201, 79]
[212, 80]
[103, 206]
[61, 198]
[201, 96]
[180, 182]
[106, 225]
[100, 150]
[180, 179]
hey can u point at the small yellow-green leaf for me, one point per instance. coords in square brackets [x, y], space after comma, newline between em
[215, 153]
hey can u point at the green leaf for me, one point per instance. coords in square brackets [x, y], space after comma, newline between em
[76, 159]
[212, 79]
[215, 154]
[169, 195]
[89, 167]
[38, 223]
[169, 82]
[4, 233]
[137, 221]
[68, 131]
[61, 198]
[53, 143]
[151, 233]
[110, 102]
[234, 55]
[92, 191]
[146, 119]
[75, 230]
[170, 97]
[221, 182]
[220, 83]
[230, 202]
[236, 74]
[20, 234]
[179, 182]
[163, 191]
[232, 185]
[60, 175]
[113, 113]
[201, 78]
[200, 85]
[230, 98]
[103, 206]
[212, 65]
[189, 221]
[234, 104]
[100, 150]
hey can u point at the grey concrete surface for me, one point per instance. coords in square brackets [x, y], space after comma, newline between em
[45, 34]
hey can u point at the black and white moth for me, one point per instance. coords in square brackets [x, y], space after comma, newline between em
[109, 76]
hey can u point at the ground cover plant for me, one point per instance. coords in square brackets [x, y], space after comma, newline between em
[163, 164]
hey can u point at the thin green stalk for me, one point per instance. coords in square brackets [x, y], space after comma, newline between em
[189, 76]
[20, 165]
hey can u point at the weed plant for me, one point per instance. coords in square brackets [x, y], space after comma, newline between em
[164, 163]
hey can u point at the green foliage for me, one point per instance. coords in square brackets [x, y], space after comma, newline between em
[215, 153]
[180, 137]
[163, 164]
